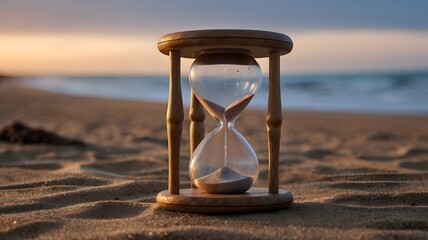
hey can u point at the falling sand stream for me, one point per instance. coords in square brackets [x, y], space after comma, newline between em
[225, 180]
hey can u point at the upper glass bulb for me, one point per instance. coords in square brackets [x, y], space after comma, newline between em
[225, 82]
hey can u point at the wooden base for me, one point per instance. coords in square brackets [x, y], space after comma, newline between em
[195, 201]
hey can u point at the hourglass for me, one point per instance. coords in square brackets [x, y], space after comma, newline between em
[224, 78]
[224, 81]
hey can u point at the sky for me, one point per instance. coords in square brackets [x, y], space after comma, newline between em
[102, 37]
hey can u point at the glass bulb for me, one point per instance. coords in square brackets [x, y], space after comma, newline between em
[224, 83]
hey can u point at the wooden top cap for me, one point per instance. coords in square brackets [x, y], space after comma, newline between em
[258, 43]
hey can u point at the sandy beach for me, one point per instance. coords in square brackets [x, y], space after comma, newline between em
[352, 176]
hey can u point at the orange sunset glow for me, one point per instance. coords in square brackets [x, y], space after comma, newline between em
[329, 51]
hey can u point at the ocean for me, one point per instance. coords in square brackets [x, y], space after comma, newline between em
[387, 93]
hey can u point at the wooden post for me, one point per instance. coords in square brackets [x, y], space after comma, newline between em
[274, 120]
[197, 118]
[197, 128]
[174, 119]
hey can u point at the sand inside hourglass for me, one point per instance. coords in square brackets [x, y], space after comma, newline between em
[230, 112]
[225, 180]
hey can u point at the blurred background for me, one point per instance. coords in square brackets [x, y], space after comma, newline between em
[349, 56]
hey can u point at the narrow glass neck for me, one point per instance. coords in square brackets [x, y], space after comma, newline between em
[221, 124]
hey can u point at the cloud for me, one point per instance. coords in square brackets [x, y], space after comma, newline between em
[152, 17]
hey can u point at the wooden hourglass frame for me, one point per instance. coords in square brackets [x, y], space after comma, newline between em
[190, 44]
